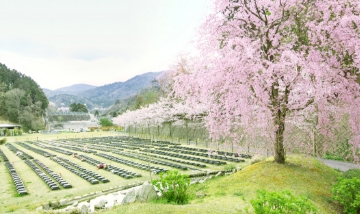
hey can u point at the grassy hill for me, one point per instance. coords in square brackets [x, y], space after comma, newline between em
[232, 194]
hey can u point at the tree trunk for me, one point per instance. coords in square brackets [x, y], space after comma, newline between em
[279, 137]
[171, 132]
[158, 132]
[187, 131]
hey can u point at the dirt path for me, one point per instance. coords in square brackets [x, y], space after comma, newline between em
[343, 166]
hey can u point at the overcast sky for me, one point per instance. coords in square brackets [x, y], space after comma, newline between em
[64, 42]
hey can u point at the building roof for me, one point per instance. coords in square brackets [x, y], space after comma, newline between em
[11, 126]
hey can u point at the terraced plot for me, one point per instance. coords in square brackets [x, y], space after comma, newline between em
[70, 166]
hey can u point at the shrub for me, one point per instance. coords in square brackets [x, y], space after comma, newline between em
[173, 186]
[281, 202]
[3, 141]
[106, 122]
[230, 167]
[346, 191]
[352, 173]
[332, 157]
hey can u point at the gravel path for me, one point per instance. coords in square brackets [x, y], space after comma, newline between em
[343, 166]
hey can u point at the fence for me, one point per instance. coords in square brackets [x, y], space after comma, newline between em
[296, 140]
[192, 131]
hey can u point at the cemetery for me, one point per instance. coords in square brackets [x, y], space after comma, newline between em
[72, 165]
[259, 114]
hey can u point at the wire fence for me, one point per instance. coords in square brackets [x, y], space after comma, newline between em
[296, 140]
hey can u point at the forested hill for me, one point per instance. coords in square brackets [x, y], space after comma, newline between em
[102, 96]
[67, 99]
[107, 95]
[22, 101]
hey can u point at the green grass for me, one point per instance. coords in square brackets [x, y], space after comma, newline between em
[230, 166]
[333, 157]
[40, 193]
[232, 194]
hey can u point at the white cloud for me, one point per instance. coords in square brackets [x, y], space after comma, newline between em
[60, 43]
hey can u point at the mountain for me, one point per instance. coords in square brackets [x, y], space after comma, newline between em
[64, 100]
[106, 95]
[49, 93]
[73, 90]
[102, 96]
[76, 88]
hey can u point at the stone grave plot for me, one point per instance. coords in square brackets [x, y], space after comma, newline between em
[147, 151]
[43, 176]
[131, 145]
[141, 166]
[115, 170]
[19, 185]
[21, 154]
[56, 149]
[86, 171]
[195, 152]
[81, 174]
[100, 148]
[216, 151]
[71, 145]
[152, 160]
[125, 146]
[136, 143]
[128, 143]
[189, 158]
[57, 177]
[79, 149]
[36, 150]
[105, 147]
[3, 156]
[162, 143]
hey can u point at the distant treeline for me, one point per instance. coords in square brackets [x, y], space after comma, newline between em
[22, 101]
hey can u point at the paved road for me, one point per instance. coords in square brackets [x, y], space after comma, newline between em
[343, 166]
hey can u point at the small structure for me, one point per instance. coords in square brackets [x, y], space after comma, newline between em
[4, 127]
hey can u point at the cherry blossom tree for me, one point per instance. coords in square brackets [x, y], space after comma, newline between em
[166, 110]
[266, 64]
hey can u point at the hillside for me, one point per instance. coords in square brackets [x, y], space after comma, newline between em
[76, 88]
[73, 90]
[21, 99]
[107, 95]
[49, 93]
[103, 96]
[66, 99]
[232, 194]
[144, 97]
